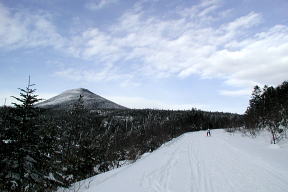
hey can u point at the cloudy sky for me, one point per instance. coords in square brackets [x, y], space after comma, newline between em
[166, 54]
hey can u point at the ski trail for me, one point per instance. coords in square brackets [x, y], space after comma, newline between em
[200, 181]
[232, 170]
[159, 179]
[205, 182]
[196, 163]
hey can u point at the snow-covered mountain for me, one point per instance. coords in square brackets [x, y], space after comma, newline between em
[91, 101]
[194, 162]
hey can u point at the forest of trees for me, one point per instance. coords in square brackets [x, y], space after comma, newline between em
[268, 110]
[45, 149]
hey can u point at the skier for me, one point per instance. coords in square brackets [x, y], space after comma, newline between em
[208, 133]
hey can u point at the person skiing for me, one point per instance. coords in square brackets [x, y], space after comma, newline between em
[208, 132]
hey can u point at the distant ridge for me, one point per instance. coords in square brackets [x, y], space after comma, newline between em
[91, 100]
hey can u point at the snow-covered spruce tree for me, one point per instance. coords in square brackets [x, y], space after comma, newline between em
[24, 161]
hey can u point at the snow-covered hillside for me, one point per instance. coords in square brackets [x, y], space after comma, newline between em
[67, 98]
[196, 163]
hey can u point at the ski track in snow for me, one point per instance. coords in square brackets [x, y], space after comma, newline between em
[196, 163]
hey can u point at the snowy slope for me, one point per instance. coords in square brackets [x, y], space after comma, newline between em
[196, 163]
[67, 98]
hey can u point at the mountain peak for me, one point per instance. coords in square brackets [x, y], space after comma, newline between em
[78, 90]
[67, 98]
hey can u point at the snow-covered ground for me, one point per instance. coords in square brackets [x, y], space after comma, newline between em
[196, 163]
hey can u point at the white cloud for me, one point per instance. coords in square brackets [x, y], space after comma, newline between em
[237, 50]
[107, 73]
[240, 92]
[184, 47]
[99, 4]
[22, 29]
[263, 60]
[246, 21]
[201, 12]
[87, 75]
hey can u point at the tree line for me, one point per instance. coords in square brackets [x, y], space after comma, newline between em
[268, 110]
[42, 149]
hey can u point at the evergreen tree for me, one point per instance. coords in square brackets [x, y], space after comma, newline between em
[24, 161]
[269, 110]
[272, 117]
[81, 143]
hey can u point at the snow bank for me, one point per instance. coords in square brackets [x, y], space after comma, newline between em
[194, 162]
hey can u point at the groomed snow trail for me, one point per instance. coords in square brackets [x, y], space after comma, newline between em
[196, 163]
